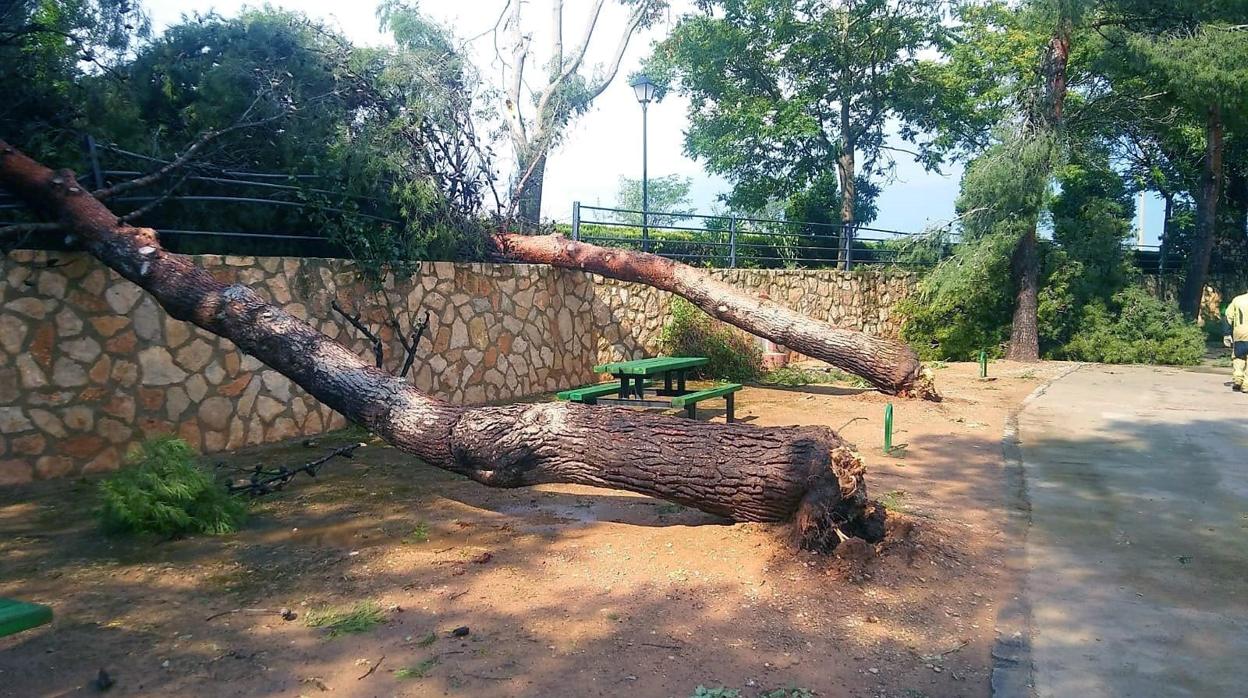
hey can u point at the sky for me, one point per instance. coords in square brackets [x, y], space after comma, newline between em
[605, 143]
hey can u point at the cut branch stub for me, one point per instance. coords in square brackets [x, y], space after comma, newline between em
[889, 365]
[738, 471]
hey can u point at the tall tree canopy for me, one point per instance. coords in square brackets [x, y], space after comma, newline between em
[46, 47]
[781, 89]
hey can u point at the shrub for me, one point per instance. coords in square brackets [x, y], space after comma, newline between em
[162, 490]
[733, 355]
[1138, 328]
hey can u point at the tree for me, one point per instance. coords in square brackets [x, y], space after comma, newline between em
[380, 143]
[779, 90]
[537, 117]
[1011, 66]
[888, 365]
[667, 195]
[806, 475]
[1203, 70]
[46, 48]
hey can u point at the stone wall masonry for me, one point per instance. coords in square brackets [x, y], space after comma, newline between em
[91, 365]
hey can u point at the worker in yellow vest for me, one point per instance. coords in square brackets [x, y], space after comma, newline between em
[1237, 338]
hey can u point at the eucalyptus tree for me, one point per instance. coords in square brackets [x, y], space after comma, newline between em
[544, 91]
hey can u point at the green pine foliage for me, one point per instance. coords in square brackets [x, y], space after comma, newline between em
[1134, 327]
[162, 490]
[733, 355]
[1091, 306]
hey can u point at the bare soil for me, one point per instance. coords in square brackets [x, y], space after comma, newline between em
[565, 590]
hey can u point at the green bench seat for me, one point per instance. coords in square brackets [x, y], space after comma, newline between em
[16, 616]
[690, 401]
[589, 394]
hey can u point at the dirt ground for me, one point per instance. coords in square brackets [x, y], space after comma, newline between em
[565, 590]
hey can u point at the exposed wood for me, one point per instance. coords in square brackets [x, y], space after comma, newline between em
[889, 365]
[806, 475]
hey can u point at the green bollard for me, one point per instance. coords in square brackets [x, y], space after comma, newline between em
[888, 427]
[983, 364]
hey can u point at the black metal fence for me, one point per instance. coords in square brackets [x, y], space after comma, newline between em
[208, 208]
[742, 241]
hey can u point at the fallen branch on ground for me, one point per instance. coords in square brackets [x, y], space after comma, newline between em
[264, 481]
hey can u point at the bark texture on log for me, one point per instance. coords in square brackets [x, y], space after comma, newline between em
[807, 475]
[889, 365]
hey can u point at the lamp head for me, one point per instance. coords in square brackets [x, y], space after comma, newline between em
[643, 87]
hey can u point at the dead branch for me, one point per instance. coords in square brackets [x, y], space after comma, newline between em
[378, 348]
[263, 481]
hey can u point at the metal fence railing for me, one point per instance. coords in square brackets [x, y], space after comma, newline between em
[205, 207]
[743, 241]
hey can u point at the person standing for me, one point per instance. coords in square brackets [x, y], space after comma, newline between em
[1236, 339]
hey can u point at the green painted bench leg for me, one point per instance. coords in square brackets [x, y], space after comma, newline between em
[729, 399]
[691, 410]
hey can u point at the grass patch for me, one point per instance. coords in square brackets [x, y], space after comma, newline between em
[360, 618]
[790, 692]
[417, 671]
[793, 377]
[894, 500]
[354, 432]
[419, 534]
[427, 640]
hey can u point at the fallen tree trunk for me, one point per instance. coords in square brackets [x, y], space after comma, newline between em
[806, 475]
[889, 365]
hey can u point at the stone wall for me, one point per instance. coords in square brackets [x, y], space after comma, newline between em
[90, 365]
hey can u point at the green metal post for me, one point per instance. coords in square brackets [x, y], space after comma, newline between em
[888, 427]
[983, 364]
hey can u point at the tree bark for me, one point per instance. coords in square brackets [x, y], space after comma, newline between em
[1024, 329]
[1206, 217]
[845, 169]
[1024, 332]
[806, 475]
[889, 365]
[529, 190]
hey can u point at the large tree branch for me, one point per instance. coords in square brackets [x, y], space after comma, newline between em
[630, 28]
[189, 154]
[889, 365]
[520, 56]
[806, 475]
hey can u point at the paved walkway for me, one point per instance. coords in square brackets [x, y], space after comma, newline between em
[1137, 557]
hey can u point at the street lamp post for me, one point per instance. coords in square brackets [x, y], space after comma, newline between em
[644, 89]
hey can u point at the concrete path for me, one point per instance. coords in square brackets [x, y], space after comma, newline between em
[1137, 556]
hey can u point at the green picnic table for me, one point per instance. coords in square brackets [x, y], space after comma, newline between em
[634, 381]
[16, 616]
